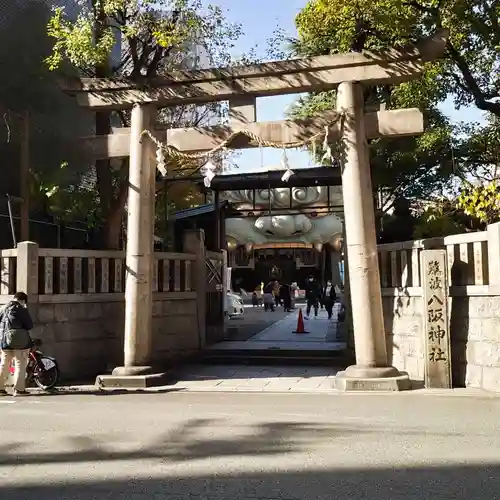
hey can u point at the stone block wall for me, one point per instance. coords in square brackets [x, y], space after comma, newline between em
[87, 337]
[403, 322]
[475, 338]
[475, 331]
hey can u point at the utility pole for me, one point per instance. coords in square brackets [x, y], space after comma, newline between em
[24, 176]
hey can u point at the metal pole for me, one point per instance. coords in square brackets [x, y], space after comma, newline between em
[24, 177]
[12, 228]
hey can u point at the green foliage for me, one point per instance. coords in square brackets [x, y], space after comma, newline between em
[76, 42]
[438, 220]
[326, 26]
[156, 35]
[313, 104]
[470, 69]
[425, 166]
[478, 150]
[412, 167]
[481, 201]
[336, 26]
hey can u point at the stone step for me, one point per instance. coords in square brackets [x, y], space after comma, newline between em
[276, 356]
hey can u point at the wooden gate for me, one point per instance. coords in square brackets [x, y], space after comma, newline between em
[214, 318]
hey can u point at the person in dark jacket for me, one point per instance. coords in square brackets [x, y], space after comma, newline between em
[313, 295]
[268, 296]
[15, 342]
[328, 298]
[286, 297]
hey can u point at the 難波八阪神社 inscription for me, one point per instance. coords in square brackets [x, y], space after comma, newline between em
[436, 328]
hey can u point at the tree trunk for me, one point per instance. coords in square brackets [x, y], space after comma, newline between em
[111, 207]
[113, 224]
[112, 230]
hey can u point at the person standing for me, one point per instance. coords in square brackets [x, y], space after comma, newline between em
[294, 293]
[255, 299]
[276, 292]
[269, 297]
[285, 296]
[313, 295]
[328, 297]
[15, 342]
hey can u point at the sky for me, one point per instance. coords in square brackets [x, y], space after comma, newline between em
[259, 19]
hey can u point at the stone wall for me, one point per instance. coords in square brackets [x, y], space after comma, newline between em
[475, 338]
[473, 262]
[76, 298]
[87, 337]
[403, 322]
[475, 329]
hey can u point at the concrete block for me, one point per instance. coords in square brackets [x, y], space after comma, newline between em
[493, 306]
[43, 332]
[61, 313]
[181, 307]
[389, 384]
[475, 307]
[484, 353]
[474, 376]
[94, 310]
[44, 313]
[132, 381]
[490, 329]
[414, 367]
[157, 308]
[491, 378]
[114, 310]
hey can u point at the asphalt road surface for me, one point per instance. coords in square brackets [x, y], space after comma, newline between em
[253, 321]
[248, 446]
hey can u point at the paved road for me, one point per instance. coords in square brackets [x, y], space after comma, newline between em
[253, 321]
[236, 446]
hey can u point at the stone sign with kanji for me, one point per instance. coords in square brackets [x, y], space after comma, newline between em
[436, 325]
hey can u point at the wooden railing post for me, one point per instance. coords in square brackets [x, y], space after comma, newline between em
[194, 243]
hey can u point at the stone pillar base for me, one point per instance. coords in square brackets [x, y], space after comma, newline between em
[132, 377]
[132, 370]
[365, 378]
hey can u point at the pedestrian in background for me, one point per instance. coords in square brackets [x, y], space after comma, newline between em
[313, 295]
[328, 298]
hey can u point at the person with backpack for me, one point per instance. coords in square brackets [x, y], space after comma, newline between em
[15, 342]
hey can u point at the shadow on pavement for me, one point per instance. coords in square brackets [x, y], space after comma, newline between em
[419, 483]
[184, 443]
[95, 391]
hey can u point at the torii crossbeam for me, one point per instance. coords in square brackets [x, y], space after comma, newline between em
[241, 86]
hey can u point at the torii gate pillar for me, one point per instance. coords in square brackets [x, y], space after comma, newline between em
[371, 371]
[140, 256]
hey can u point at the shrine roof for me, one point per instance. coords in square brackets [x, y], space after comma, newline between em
[193, 212]
[302, 177]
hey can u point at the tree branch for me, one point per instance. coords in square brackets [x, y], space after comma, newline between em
[470, 81]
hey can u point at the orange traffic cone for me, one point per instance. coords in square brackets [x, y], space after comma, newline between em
[300, 324]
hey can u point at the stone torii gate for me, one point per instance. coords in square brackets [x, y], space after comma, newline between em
[241, 86]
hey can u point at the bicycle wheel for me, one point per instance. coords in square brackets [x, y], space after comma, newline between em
[46, 374]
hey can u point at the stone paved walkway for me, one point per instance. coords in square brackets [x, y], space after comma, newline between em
[228, 378]
[322, 335]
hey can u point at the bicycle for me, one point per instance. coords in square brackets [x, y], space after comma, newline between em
[42, 370]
